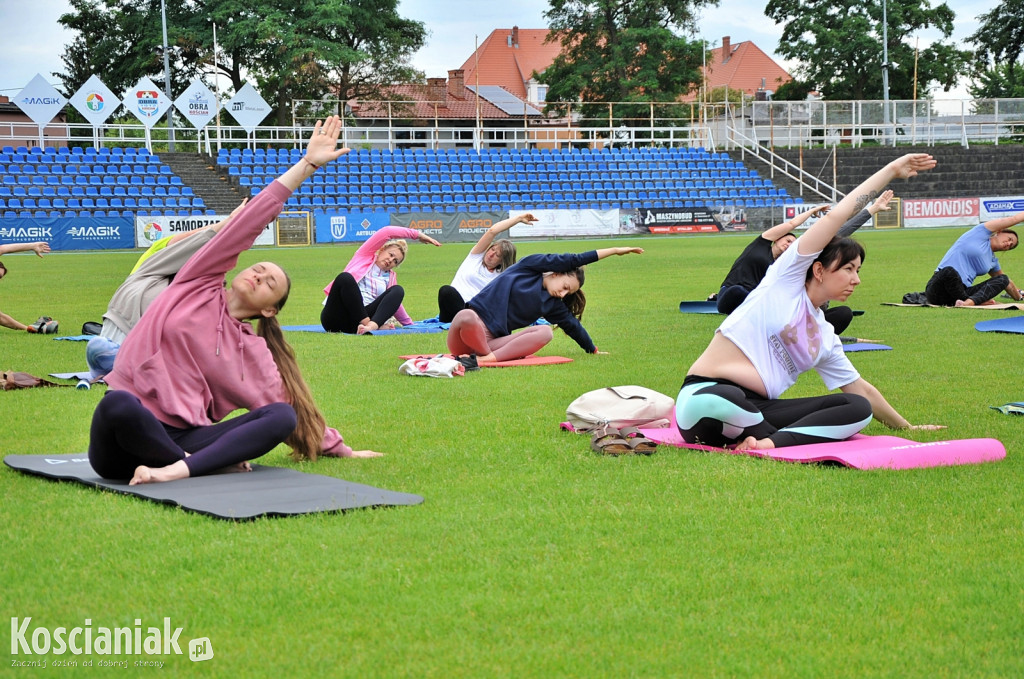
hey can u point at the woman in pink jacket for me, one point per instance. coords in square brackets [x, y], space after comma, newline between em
[193, 359]
[364, 296]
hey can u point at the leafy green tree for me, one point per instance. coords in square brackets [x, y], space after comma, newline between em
[621, 51]
[999, 42]
[839, 45]
[292, 49]
[793, 90]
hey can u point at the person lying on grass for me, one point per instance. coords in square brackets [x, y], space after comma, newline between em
[751, 266]
[972, 255]
[538, 286]
[39, 248]
[365, 296]
[192, 359]
[731, 392]
[485, 261]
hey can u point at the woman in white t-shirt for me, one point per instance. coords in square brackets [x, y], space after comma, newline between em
[484, 262]
[731, 393]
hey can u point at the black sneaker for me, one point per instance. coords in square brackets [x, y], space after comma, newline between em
[468, 362]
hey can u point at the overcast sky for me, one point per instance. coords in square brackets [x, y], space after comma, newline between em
[34, 41]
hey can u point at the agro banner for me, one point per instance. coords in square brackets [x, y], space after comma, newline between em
[450, 227]
[149, 230]
[919, 212]
[565, 223]
[70, 233]
[993, 208]
[679, 220]
[349, 227]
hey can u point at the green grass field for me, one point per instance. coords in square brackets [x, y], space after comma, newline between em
[532, 556]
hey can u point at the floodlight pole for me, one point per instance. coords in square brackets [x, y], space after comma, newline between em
[885, 69]
[167, 81]
[216, 82]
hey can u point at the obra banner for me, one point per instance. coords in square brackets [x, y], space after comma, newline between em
[149, 230]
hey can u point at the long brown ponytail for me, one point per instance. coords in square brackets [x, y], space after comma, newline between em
[307, 439]
[577, 301]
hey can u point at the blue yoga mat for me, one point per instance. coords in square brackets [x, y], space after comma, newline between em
[75, 338]
[415, 328]
[865, 346]
[1013, 324]
[703, 307]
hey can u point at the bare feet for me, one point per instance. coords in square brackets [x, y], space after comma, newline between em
[750, 443]
[172, 472]
[235, 468]
[366, 327]
[488, 358]
[964, 302]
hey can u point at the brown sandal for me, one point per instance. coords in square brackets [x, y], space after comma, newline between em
[637, 441]
[608, 441]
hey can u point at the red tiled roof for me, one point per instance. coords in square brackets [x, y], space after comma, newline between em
[744, 69]
[511, 66]
[448, 107]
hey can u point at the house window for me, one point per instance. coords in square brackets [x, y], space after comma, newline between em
[542, 94]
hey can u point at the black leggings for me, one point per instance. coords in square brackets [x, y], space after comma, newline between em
[946, 288]
[716, 412]
[449, 303]
[125, 435]
[344, 310]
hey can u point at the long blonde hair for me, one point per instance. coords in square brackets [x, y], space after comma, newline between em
[307, 439]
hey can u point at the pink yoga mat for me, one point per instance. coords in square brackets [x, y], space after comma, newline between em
[529, 360]
[863, 452]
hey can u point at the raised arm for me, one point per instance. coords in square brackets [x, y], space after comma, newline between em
[1001, 223]
[39, 248]
[779, 230]
[861, 218]
[608, 252]
[501, 227]
[321, 149]
[818, 236]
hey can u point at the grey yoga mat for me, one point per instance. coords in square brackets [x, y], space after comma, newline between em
[265, 491]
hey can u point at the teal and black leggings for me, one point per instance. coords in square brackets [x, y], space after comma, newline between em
[716, 412]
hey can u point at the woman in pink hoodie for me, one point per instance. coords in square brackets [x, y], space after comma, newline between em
[193, 359]
[364, 296]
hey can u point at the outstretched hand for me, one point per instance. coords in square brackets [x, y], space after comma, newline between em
[882, 202]
[365, 453]
[40, 248]
[909, 165]
[627, 251]
[427, 240]
[927, 427]
[322, 146]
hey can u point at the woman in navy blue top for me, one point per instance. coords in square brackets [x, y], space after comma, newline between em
[538, 286]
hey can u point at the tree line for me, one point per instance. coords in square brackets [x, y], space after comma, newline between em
[611, 50]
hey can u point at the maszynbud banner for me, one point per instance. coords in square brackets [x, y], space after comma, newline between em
[993, 208]
[918, 212]
[566, 223]
[70, 233]
[679, 220]
[149, 230]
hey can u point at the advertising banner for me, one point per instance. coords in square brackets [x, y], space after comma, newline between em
[941, 212]
[349, 227]
[248, 107]
[679, 220]
[149, 230]
[95, 101]
[993, 208]
[40, 101]
[565, 223]
[70, 233]
[449, 227]
[146, 102]
[197, 104]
